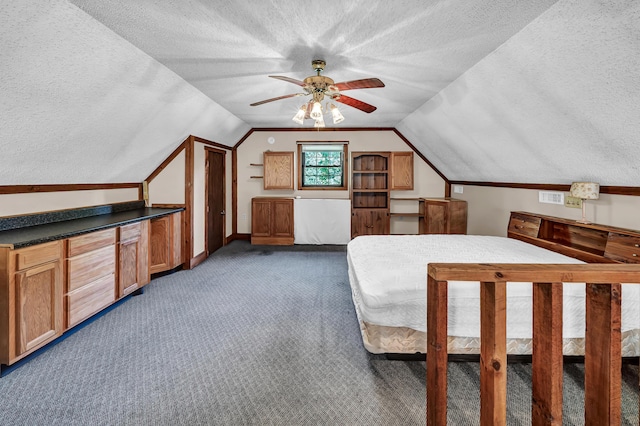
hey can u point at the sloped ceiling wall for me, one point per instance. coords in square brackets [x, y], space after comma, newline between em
[558, 102]
[80, 104]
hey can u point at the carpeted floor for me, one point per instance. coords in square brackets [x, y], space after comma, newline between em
[255, 335]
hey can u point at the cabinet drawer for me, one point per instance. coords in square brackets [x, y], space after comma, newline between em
[37, 255]
[524, 225]
[89, 242]
[130, 232]
[86, 268]
[89, 299]
[622, 248]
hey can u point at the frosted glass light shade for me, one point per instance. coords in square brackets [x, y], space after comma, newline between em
[316, 111]
[337, 115]
[585, 190]
[299, 117]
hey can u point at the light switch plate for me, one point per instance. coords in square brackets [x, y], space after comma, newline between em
[573, 202]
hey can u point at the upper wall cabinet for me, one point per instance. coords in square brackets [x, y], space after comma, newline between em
[402, 171]
[278, 170]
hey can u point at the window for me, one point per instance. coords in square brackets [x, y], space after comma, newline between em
[321, 165]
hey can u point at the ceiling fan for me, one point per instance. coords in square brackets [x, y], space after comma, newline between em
[318, 86]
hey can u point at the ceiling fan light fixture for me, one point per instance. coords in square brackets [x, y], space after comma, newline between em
[316, 111]
[299, 117]
[336, 114]
[319, 88]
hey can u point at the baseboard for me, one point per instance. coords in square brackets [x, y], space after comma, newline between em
[197, 260]
[238, 237]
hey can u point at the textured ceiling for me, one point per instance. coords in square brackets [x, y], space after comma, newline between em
[541, 91]
[227, 49]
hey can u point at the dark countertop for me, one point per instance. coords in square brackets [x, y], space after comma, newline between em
[32, 235]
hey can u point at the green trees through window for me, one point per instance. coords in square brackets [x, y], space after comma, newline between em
[322, 166]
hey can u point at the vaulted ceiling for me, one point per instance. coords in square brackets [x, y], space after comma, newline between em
[540, 91]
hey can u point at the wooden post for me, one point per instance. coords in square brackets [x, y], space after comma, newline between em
[602, 357]
[547, 354]
[493, 353]
[436, 352]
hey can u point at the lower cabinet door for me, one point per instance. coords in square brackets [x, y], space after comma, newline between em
[39, 306]
[128, 263]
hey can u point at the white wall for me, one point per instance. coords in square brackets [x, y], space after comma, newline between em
[80, 104]
[427, 183]
[558, 102]
[168, 186]
[37, 202]
[489, 209]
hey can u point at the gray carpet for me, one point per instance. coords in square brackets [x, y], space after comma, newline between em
[255, 335]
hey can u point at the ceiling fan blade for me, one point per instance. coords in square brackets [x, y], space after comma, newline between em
[365, 83]
[289, 79]
[362, 106]
[277, 99]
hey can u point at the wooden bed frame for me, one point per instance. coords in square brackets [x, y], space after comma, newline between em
[615, 253]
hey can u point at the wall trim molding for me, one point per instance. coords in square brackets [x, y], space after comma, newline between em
[23, 189]
[605, 189]
[238, 237]
[193, 262]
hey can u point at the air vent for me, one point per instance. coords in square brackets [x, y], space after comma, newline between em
[551, 197]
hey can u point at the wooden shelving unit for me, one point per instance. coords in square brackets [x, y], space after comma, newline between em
[370, 193]
[592, 243]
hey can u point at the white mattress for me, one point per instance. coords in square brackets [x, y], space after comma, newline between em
[388, 276]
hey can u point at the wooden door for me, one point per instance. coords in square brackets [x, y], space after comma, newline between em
[282, 220]
[436, 218]
[360, 222]
[379, 222]
[215, 194]
[38, 305]
[132, 258]
[260, 218]
[160, 244]
[402, 170]
[278, 170]
[128, 263]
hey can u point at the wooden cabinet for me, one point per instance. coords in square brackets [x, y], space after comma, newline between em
[369, 222]
[165, 244]
[133, 257]
[31, 311]
[402, 171]
[278, 170]
[592, 243]
[91, 275]
[272, 221]
[369, 193]
[443, 216]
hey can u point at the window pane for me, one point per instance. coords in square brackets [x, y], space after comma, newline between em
[322, 167]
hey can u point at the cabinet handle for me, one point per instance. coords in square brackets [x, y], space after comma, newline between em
[519, 227]
[634, 255]
[637, 245]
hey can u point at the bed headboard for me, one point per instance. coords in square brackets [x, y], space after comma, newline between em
[590, 243]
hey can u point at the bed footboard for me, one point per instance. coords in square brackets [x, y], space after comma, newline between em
[602, 338]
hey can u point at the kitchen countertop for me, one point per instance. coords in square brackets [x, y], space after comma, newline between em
[42, 233]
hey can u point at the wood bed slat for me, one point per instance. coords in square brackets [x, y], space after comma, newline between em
[602, 357]
[603, 338]
[546, 363]
[493, 353]
[437, 297]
